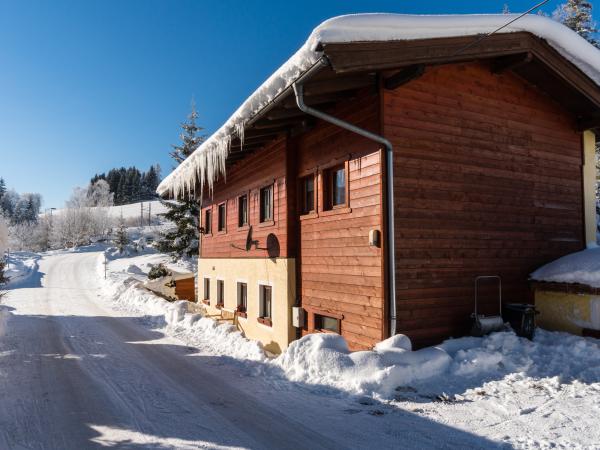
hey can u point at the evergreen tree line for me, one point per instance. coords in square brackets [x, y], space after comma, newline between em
[130, 185]
[19, 208]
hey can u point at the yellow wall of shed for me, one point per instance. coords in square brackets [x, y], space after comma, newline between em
[589, 187]
[570, 312]
[279, 273]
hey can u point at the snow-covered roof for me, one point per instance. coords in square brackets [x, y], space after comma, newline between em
[581, 268]
[205, 165]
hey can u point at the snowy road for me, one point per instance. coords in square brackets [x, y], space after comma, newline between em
[74, 374]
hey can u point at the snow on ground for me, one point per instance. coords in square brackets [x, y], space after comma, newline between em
[581, 267]
[540, 394]
[20, 267]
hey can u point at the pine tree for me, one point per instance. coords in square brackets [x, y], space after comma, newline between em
[184, 238]
[577, 15]
[121, 240]
[2, 187]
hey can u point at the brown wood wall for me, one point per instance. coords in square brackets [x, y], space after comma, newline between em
[488, 180]
[264, 167]
[340, 274]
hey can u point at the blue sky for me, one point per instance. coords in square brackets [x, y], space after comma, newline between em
[90, 85]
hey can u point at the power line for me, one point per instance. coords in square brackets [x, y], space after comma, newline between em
[485, 36]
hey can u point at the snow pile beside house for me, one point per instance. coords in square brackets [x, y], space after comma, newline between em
[208, 161]
[581, 267]
[453, 366]
[178, 319]
[325, 359]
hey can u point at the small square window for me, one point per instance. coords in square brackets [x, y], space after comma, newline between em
[242, 210]
[265, 305]
[335, 186]
[222, 217]
[308, 194]
[266, 204]
[220, 292]
[327, 324]
[208, 221]
[207, 289]
[242, 298]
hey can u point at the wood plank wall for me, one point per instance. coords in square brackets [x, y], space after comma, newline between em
[264, 167]
[340, 274]
[488, 180]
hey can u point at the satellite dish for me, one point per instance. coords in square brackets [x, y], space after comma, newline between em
[273, 248]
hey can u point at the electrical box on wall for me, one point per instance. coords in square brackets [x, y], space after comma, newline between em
[298, 316]
[375, 238]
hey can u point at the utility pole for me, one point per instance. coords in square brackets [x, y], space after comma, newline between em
[141, 214]
[149, 213]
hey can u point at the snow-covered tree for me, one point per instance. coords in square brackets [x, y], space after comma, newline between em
[3, 236]
[577, 15]
[2, 187]
[183, 238]
[121, 240]
[98, 194]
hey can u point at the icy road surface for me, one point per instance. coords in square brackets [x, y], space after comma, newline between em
[75, 374]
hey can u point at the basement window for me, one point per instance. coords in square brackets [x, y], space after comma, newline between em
[335, 187]
[308, 194]
[220, 293]
[222, 218]
[266, 204]
[327, 324]
[242, 299]
[242, 210]
[265, 294]
[208, 221]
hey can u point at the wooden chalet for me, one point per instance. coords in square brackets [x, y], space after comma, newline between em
[491, 142]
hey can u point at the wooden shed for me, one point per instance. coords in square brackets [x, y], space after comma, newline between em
[385, 167]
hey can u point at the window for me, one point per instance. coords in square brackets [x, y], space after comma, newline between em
[265, 305]
[327, 324]
[266, 204]
[242, 210]
[208, 221]
[207, 289]
[222, 217]
[220, 292]
[242, 299]
[335, 186]
[308, 194]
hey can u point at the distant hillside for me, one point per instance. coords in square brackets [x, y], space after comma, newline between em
[133, 210]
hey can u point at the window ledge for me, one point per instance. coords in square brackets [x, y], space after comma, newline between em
[265, 321]
[268, 223]
[220, 305]
[310, 215]
[221, 232]
[241, 314]
[243, 227]
[206, 301]
[335, 211]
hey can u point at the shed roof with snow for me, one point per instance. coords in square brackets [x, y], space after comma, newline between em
[356, 47]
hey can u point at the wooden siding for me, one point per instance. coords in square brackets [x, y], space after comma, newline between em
[488, 180]
[265, 167]
[340, 274]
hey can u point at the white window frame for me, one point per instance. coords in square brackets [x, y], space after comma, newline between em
[260, 298]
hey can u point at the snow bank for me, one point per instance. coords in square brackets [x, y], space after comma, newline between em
[581, 267]
[179, 319]
[325, 359]
[21, 267]
[208, 161]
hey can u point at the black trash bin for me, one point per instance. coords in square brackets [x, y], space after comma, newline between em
[521, 317]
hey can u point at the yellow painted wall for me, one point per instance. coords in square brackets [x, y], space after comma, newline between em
[589, 187]
[279, 273]
[569, 312]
